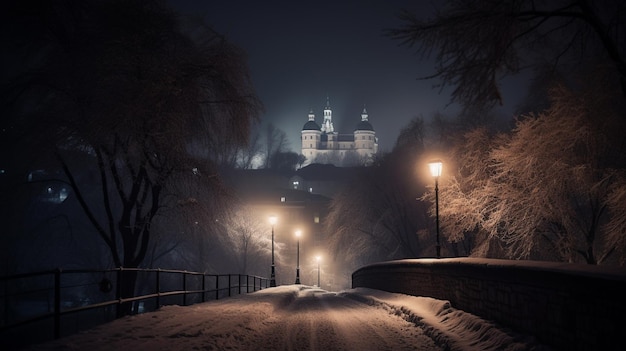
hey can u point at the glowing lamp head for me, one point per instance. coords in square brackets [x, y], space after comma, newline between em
[435, 168]
[298, 233]
[318, 258]
[272, 220]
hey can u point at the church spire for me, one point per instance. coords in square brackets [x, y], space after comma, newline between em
[327, 126]
[364, 115]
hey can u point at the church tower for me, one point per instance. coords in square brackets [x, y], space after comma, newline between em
[365, 141]
[311, 137]
[327, 126]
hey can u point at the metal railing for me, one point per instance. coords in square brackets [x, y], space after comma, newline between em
[35, 307]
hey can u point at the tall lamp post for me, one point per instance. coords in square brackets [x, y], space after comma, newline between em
[435, 171]
[298, 233]
[318, 259]
[273, 274]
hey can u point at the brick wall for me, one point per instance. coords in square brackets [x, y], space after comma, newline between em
[566, 306]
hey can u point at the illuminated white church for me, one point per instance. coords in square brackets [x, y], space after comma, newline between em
[324, 145]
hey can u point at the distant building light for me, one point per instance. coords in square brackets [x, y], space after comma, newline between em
[295, 184]
[310, 190]
[55, 195]
[316, 219]
[282, 199]
[195, 171]
[63, 193]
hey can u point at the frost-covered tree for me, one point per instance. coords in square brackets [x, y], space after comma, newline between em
[377, 216]
[460, 210]
[549, 189]
[248, 240]
[616, 228]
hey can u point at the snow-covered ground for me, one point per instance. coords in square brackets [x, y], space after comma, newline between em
[297, 317]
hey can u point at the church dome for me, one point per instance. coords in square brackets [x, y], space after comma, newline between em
[364, 125]
[311, 125]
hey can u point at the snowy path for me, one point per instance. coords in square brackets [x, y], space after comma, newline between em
[298, 317]
[318, 320]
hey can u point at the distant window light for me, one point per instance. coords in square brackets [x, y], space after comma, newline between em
[295, 184]
[55, 195]
[63, 193]
[282, 199]
[310, 190]
[195, 171]
[316, 219]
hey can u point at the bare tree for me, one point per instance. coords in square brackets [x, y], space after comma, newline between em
[275, 142]
[249, 154]
[249, 240]
[478, 42]
[130, 91]
[285, 161]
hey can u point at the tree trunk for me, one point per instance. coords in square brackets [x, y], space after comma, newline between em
[127, 280]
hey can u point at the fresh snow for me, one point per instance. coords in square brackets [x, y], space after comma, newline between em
[298, 317]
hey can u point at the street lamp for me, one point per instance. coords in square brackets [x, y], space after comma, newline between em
[273, 274]
[435, 171]
[318, 259]
[298, 233]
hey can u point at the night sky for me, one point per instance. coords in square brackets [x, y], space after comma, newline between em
[301, 52]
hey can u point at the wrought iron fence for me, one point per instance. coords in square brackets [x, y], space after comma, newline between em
[35, 307]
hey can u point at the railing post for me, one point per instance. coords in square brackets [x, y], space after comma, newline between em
[239, 283]
[57, 303]
[158, 288]
[229, 284]
[185, 288]
[204, 287]
[118, 291]
[217, 286]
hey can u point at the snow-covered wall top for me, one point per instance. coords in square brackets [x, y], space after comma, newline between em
[567, 306]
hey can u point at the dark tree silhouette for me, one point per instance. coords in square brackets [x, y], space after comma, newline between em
[125, 84]
[284, 161]
[478, 42]
[275, 142]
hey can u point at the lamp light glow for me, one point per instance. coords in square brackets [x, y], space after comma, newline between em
[435, 168]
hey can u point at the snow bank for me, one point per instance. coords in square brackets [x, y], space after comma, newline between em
[454, 329]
